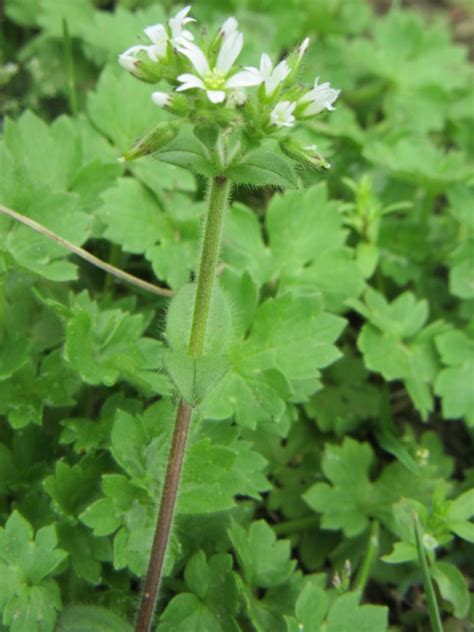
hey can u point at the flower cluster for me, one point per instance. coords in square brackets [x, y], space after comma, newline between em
[211, 76]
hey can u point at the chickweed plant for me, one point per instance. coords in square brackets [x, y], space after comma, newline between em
[244, 122]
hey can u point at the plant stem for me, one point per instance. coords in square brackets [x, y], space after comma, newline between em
[218, 193]
[165, 518]
[433, 609]
[80, 252]
[369, 557]
[292, 526]
[70, 72]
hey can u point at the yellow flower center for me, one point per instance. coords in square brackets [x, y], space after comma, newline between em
[214, 79]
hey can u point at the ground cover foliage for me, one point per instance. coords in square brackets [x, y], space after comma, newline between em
[347, 407]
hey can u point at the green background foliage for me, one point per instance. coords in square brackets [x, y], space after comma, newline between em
[347, 402]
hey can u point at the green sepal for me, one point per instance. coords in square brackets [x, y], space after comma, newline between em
[307, 157]
[208, 134]
[154, 140]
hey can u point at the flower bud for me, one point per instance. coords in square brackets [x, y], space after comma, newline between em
[154, 140]
[174, 103]
[307, 155]
[141, 62]
[296, 57]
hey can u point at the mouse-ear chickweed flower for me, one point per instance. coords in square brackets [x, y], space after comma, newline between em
[319, 98]
[206, 85]
[282, 114]
[134, 59]
[216, 79]
[271, 76]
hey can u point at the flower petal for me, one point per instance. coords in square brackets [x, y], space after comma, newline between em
[266, 65]
[229, 51]
[281, 71]
[216, 96]
[244, 79]
[156, 33]
[229, 26]
[195, 56]
[190, 81]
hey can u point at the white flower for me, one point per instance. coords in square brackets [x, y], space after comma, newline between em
[282, 114]
[319, 98]
[215, 81]
[159, 35]
[176, 25]
[162, 99]
[129, 61]
[269, 75]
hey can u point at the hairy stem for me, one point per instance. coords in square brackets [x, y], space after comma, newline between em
[165, 518]
[218, 193]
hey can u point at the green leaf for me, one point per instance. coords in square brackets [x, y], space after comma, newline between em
[346, 613]
[345, 503]
[132, 216]
[135, 116]
[187, 612]
[243, 246]
[395, 345]
[109, 33]
[90, 619]
[213, 602]
[30, 599]
[452, 586]
[290, 341]
[265, 561]
[24, 12]
[264, 167]
[454, 382]
[458, 515]
[71, 487]
[311, 607]
[103, 346]
[314, 258]
[77, 13]
[188, 152]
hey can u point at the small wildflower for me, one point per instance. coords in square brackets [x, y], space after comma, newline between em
[282, 114]
[159, 35]
[271, 76]
[215, 81]
[320, 97]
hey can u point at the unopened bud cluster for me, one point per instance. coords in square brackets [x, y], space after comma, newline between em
[206, 84]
